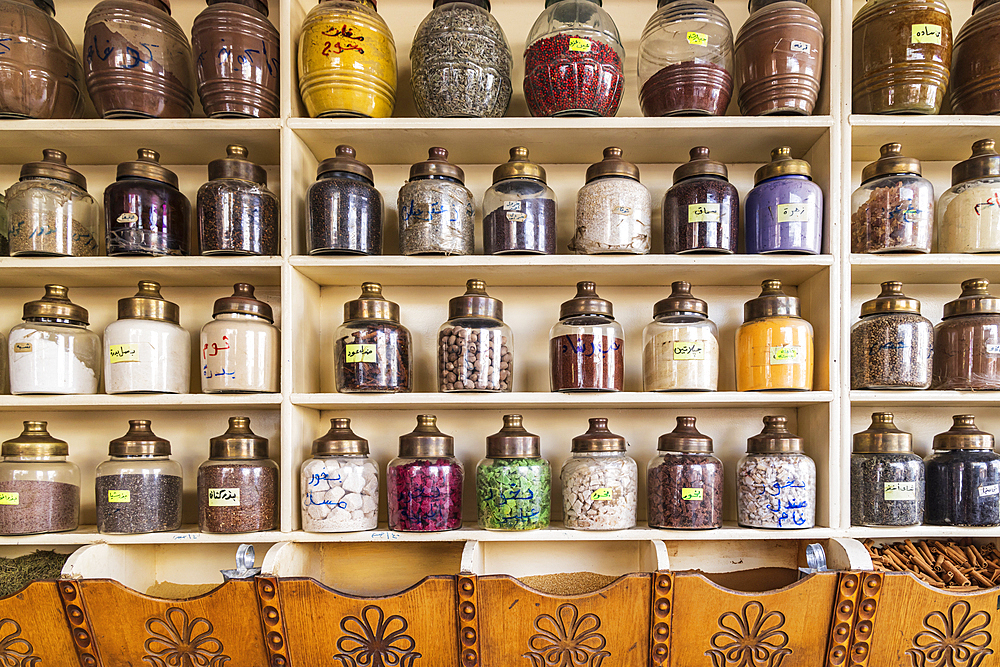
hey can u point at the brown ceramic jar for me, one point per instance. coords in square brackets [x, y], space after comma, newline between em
[975, 62]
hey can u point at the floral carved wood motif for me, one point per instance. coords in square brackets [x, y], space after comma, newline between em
[178, 641]
[15, 651]
[954, 638]
[372, 640]
[567, 640]
[751, 638]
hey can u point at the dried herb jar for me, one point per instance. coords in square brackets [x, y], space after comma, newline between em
[39, 488]
[425, 481]
[587, 345]
[437, 213]
[685, 480]
[513, 482]
[237, 214]
[339, 483]
[774, 345]
[474, 345]
[967, 341]
[599, 481]
[344, 212]
[701, 211]
[893, 207]
[784, 211]
[519, 209]
[963, 477]
[892, 345]
[372, 350]
[239, 347]
[975, 62]
[680, 347]
[887, 478]
[613, 209]
[775, 481]
[968, 213]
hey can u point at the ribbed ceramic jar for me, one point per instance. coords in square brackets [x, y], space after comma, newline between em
[975, 62]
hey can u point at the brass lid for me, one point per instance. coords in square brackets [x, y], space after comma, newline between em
[984, 163]
[53, 165]
[139, 441]
[774, 438]
[437, 164]
[891, 162]
[147, 304]
[599, 439]
[243, 302]
[55, 305]
[700, 165]
[685, 438]
[586, 302]
[612, 165]
[147, 166]
[974, 300]
[475, 303]
[519, 166]
[345, 161]
[371, 305]
[680, 302]
[340, 440]
[963, 434]
[236, 165]
[772, 302]
[426, 441]
[782, 164]
[34, 441]
[513, 442]
[891, 300]
[882, 437]
[238, 442]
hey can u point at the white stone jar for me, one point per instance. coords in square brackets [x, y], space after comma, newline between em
[599, 481]
[339, 483]
[239, 347]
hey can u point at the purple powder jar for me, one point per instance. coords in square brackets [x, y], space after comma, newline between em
[784, 211]
[425, 481]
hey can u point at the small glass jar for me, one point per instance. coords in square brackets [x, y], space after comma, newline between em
[139, 488]
[685, 481]
[4, 236]
[968, 213]
[474, 345]
[339, 483]
[519, 209]
[574, 61]
[967, 341]
[892, 345]
[50, 211]
[893, 207]
[513, 482]
[145, 212]
[239, 347]
[39, 488]
[680, 347]
[53, 351]
[613, 209]
[372, 350]
[437, 213]
[344, 210]
[425, 481]
[460, 62]
[599, 481]
[963, 477]
[237, 214]
[887, 478]
[975, 62]
[774, 345]
[701, 211]
[587, 345]
[784, 211]
[775, 481]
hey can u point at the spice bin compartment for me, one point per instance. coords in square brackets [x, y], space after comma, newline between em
[33, 626]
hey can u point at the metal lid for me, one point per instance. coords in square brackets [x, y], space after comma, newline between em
[437, 164]
[513, 442]
[49, 6]
[612, 165]
[53, 165]
[485, 4]
[139, 441]
[586, 302]
[426, 441]
[599, 439]
[371, 305]
[882, 437]
[974, 300]
[475, 303]
[147, 304]
[243, 302]
[782, 164]
[34, 441]
[774, 438]
[680, 302]
[147, 166]
[236, 165]
[772, 302]
[685, 438]
[891, 162]
[345, 161]
[238, 442]
[340, 440]
[891, 300]
[56, 305]
[984, 163]
[519, 166]
[700, 165]
[963, 434]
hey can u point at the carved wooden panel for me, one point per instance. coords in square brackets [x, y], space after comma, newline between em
[33, 631]
[468, 621]
[81, 631]
[272, 620]
[662, 615]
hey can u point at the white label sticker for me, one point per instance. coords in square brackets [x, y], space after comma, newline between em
[992, 348]
[623, 210]
[900, 491]
[124, 352]
[794, 212]
[801, 47]
[989, 490]
[223, 497]
[784, 354]
[703, 213]
[128, 218]
[512, 206]
[22, 347]
[517, 217]
[689, 351]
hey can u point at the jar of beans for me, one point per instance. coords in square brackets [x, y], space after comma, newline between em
[685, 480]
[39, 488]
[968, 218]
[513, 482]
[339, 483]
[613, 209]
[775, 481]
[701, 212]
[963, 477]
[599, 481]
[437, 213]
[892, 345]
[372, 350]
[474, 345]
[784, 211]
[145, 212]
[893, 207]
[774, 345]
[237, 214]
[587, 345]
[887, 478]
[967, 340]
[344, 212]
[239, 347]
[519, 210]
[425, 481]
[680, 348]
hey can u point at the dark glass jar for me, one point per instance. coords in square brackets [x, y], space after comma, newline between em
[893, 207]
[701, 212]
[587, 345]
[887, 478]
[513, 482]
[237, 214]
[975, 62]
[892, 345]
[967, 341]
[144, 211]
[963, 477]
[474, 345]
[344, 210]
[424, 483]
[372, 350]
[685, 480]
[784, 211]
[519, 209]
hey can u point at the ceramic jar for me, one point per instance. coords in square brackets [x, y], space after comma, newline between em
[519, 209]
[39, 488]
[680, 347]
[475, 346]
[344, 214]
[339, 483]
[893, 206]
[887, 478]
[237, 214]
[967, 341]
[701, 211]
[437, 213]
[774, 345]
[424, 483]
[963, 477]
[239, 347]
[144, 212]
[587, 345]
[613, 209]
[513, 482]
[685, 480]
[975, 62]
[372, 350]
[892, 345]
[599, 481]
[784, 211]
[968, 213]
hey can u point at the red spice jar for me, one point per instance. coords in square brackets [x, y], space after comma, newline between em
[587, 345]
[975, 62]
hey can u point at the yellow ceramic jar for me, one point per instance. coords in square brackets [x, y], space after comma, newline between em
[774, 345]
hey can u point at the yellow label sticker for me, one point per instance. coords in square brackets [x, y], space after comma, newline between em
[119, 496]
[223, 497]
[703, 213]
[22, 347]
[601, 494]
[900, 490]
[124, 352]
[785, 354]
[794, 212]
[689, 351]
[359, 352]
[926, 33]
[697, 38]
[10, 498]
[692, 494]
[579, 44]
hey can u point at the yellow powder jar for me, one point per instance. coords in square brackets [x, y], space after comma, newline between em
[774, 345]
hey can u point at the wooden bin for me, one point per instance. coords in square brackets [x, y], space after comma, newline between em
[33, 627]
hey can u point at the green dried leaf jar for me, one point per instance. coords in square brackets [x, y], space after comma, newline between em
[513, 482]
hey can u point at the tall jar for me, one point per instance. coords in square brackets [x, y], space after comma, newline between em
[613, 209]
[237, 214]
[519, 209]
[968, 213]
[887, 478]
[474, 345]
[587, 345]
[967, 341]
[774, 345]
[437, 213]
[775, 481]
[425, 481]
[574, 61]
[893, 207]
[239, 347]
[39, 488]
[680, 347]
[460, 62]
[963, 477]
[784, 211]
[902, 56]
[599, 481]
[892, 345]
[372, 350]
[975, 62]
[339, 483]
[145, 212]
[701, 211]
[686, 60]
[4, 235]
[347, 61]
[238, 484]
[50, 211]
[53, 351]
[137, 61]
[343, 209]
[684, 480]
[513, 482]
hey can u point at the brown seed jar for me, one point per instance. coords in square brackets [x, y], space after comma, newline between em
[975, 68]
[967, 341]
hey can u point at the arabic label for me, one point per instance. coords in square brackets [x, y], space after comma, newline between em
[989, 490]
[692, 494]
[128, 218]
[794, 212]
[992, 348]
[800, 47]
[512, 206]
[688, 351]
[517, 217]
[124, 352]
[601, 494]
[10, 498]
[784, 354]
[360, 352]
[697, 39]
[579, 44]
[123, 496]
[900, 491]
[223, 497]
[703, 213]
[926, 33]
[22, 347]
[623, 210]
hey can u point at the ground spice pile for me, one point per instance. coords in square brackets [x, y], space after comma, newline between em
[949, 565]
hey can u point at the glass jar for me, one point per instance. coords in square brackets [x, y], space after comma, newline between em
[239, 347]
[586, 345]
[686, 60]
[967, 341]
[775, 481]
[425, 481]
[599, 481]
[437, 213]
[237, 214]
[145, 212]
[474, 345]
[460, 62]
[372, 350]
[893, 207]
[774, 345]
[975, 62]
[39, 488]
[887, 478]
[892, 345]
[513, 482]
[701, 211]
[613, 209]
[680, 347]
[685, 480]
[50, 211]
[574, 61]
[519, 209]
[968, 213]
[784, 211]
[139, 488]
[53, 351]
[4, 240]
[347, 61]
[902, 56]
[963, 477]
[344, 210]
[137, 61]
[339, 483]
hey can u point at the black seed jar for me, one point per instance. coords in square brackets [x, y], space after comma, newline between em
[967, 341]
[519, 209]
[237, 214]
[701, 212]
[887, 478]
[685, 480]
[145, 212]
[344, 210]
[892, 344]
[963, 477]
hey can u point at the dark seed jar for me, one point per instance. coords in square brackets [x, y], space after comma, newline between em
[887, 478]
[975, 62]
[372, 350]
[784, 211]
[145, 212]
[685, 480]
[237, 214]
[474, 345]
[967, 340]
[344, 210]
[892, 345]
[519, 209]
[424, 483]
[587, 345]
[437, 213]
[893, 207]
[963, 477]
[513, 482]
[701, 212]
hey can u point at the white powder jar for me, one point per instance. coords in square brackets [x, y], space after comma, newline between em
[239, 347]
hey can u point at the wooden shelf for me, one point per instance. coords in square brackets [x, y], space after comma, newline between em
[900, 533]
[205, 271]
[947, 137]
[925, 398]
[930, 268]
[116, 402]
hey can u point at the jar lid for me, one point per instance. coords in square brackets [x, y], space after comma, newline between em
[772, 302]
[147, 304]
[485, 4]
[34, 441]
[340, 440]
[680, 302]
[243, 302]
[475, 303]
[984, 163]
[139, 441]
[700, 165]
[238, 442]
[147, 166]
[437, 164]
[49, 6]
[426, 441]
[882, 437]
[56, 305]
[973, 301]
[774, 438]
[236, 165]
[371, 305]
[963, 434]
[53, 165]
[513, 442]
[599, 439]
[612, 165]
[259, 5]
[685, 438]
[345, 161]
[519, 166]
[782, 164]
[891, 162]
[586, 302]
[891, 300]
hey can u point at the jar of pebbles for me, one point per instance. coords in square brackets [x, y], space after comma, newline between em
[680, 347]
[967, 341]
[963, 477]
[784, 211]
[237, 214]
[372, 350]
[437, 213]
[701, 211]
[892, 345]
[893, 207]
[339, 483]
[775, 481]
[425, 481]
[887, 478]
[239, 347]
[587, 345]
[474, 345]
[774, 345]
[613, 213]
[513, 482]
[39, 488]
[344, 215]
[145, 212]
[599, 481]
[968, 213]
[519, 209]
[685, 480]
